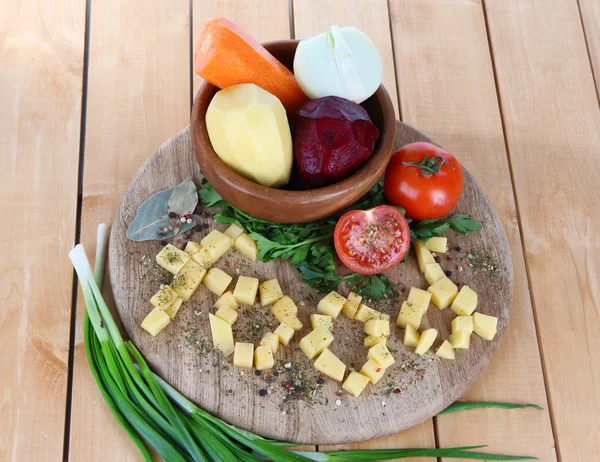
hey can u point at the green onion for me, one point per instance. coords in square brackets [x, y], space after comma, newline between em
[154, 414]
[468, 406]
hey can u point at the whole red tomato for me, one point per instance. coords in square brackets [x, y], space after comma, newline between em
[423, 179]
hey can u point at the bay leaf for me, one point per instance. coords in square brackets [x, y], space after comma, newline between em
[184, 199]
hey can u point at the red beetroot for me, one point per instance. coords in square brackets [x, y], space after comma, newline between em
[333, 138]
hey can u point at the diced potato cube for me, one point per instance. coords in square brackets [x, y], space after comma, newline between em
[366, 313]
[263, 358]
[425, 341]
[351, 305]
[285, 306]
[373, 370]
[419, 298]
[173, 309]
[246, 246]
[245, 290]
[164, 297]
[423, 255]
[371, 340]
[285, 333]
[192, 247]
[227, 299]
[316, 341]
[217, 281]
[233, 232]
[462, 323]
[409, 315]
[155, 321]
[355, 383]
[331, 304]
[270, 292]
[437, 244]
[330, 365]
[243, 354]
[271, 340]
[485, 326]
[188, 279]
[377, 327]
[222, 335]
[465, 302]
[317, 320]
[202, 257]
[446, 351]
[227, 314]
[172, 259]
[443, 293]
[216, 243]
[381, 354]
[411, 336]
[460, 339]
[433, 273]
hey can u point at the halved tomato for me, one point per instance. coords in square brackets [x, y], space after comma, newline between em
[372, 241]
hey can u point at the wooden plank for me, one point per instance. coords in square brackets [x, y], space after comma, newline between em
[41, 81]
[314, 17]
[552, 122]
[590, 16]
[447, 90]
[138, 96]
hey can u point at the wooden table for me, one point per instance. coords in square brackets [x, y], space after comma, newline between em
[88, 91]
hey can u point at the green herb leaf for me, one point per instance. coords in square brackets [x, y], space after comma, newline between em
[462, 223]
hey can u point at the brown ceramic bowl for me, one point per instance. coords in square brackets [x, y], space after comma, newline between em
[290, 206]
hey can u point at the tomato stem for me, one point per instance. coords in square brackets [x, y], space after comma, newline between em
[430, 166]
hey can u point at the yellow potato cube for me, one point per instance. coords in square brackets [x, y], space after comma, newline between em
[222, 335]
[188, 279]
[227, 314]
[351, 305]
[460, 339]
[155, 321]
[246, 246]
[227, 299]
[271, 340]
[366, 313]
[263, 358]
[330, 365]
[285, 306]
[381, 354]
[233, 232]
[423, 255]
[465, 302]
[192, 247]
[433, 273]
[437, 244]
[245, 290]
[373, 370]
[411, 336]
[446, 351]
[317, 320]
[485, 326]
[216, 243]
[425, 341]
[173, 309]
[269, 292]
[243, 354]
[420, 299]
[202, 257]
[217, 281]
[462, 323]
[285, 333]
[331, 304]
[172, 259]
[164, 297]
[371, 340]
[409, 315]
[315, 342]
[443, 293]
[355, 383]
[377, 327]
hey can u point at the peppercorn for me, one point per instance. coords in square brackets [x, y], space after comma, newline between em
[397, 391]
[172, 215]
[457, 248]
[449, 273]
[257, 373]
[163, 242]
[437, 259]
[262, 392]
[321, 381]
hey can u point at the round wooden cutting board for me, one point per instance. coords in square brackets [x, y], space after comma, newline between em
[413, 390]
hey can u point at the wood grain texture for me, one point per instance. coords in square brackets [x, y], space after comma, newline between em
[590, 16]
[552, 125]
[138, 96]
[441, 56]
[231, 393]
[41, 62]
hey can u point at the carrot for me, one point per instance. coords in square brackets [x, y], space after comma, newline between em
[226, 55]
